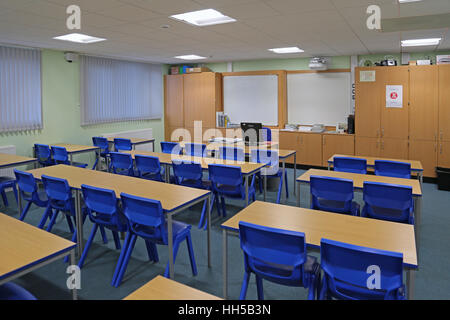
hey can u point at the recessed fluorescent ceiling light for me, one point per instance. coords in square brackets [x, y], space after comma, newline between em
[287, 50]
[420, 42]
[190, 57]
[202, 18]
[406, 1]
[79, 38]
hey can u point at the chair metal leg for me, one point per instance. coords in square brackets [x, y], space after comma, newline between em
[44, 218]
[191, 254]
[176, 246]
[104, 237]
[259, 288]
[25, 211]
[126, 259]
[121, 256]
[52, 220]
[244, 286]
[69, 223]
[116, 239]
[88, 245]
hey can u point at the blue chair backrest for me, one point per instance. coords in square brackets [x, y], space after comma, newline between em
[231, 153]
[269, 157]
[191, 171]
[147, 164]
[388, 201]
[171, 147]
[267, 134]
[348, 268]
[43, 153]
[196, 149]
[339, 191]
[220, 174]
[271, 252]
[102, 143]
[26, 181]
[101, 201]
[60, 155]
[393, 169]
[354, 165]
[122, 144]
[121, 160]
[58, 192]
[145, 217]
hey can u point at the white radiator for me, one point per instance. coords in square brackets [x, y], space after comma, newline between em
[141, 134]
[9, 172]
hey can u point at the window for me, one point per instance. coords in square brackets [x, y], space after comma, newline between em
[115, 90]
[20, 89]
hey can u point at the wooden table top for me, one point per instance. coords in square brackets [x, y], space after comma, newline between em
[23, 246]
[133, 140]
[166, 158]
[366, 232]
[215, 146]
[359, 179]
[171, 196]
[415, 164]
[12, 159]
[161, 288]
[73, 148]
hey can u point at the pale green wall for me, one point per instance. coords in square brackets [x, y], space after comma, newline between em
[61, 111]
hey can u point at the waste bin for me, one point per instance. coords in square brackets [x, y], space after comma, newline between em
[443, 178]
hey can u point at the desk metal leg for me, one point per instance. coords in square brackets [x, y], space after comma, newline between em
[167, 173]
[170, 236]
[79, 222]
[246, 190]
[73, 262]
[417, 218]
[265, 187]
[153, 146]
[298, 193]
[208, 207]
[225, 262]
[19, 201]
[410, 282]
[97, 153]
[295, 172]
[283, 195]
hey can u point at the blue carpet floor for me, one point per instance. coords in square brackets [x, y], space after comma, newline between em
[49, 282]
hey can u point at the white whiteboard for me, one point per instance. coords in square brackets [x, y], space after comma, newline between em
[251, 99]
[319, 98]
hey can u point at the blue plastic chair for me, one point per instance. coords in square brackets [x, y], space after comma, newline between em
[195, 149]
[44, 155]
[333, 194]
[60, 199]
[231, 153]
[103, 144]
[394, 169]
[12, 291]
[388, 202]
[6, 183]
[267, 134]
[353, 165]
[270, 157]
[104, 211]
[190, 174]
[61, 156]
[149, 168]
[278, 256]
[346, 272]
[30, 193]
[122, 163]
[171, 147]
[226, 181]
[121, 144]
[146, 220]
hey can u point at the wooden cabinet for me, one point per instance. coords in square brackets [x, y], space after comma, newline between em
[394, 148]
[444, 154]
[444, 102]
[290, 141]
[426, 153]
[424, 98]
[365, 146]
[190, 98]
[336, 144]
[310, 149]
[367, 105]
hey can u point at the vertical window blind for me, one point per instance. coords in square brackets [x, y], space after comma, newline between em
[114, 90]
[20, 89]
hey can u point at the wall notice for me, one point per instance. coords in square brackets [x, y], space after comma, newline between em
[394, 96]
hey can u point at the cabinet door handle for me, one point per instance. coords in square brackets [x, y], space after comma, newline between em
[378, 133]
[382, 132]
[441, 148]
[382, 145]
[324, 141]
[442, 135]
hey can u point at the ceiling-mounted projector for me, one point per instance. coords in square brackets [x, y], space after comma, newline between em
[318, 63]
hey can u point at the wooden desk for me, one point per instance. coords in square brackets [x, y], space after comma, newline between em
[24, 248]
[135, 141]
[174, 198]
[75, 149]
[247, 168]
[215, 146]
[358, 183]
[161, 288]
[378, 234]
[12, 160]
[416, 166]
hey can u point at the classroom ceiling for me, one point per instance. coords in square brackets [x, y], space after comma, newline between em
[133, 27]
